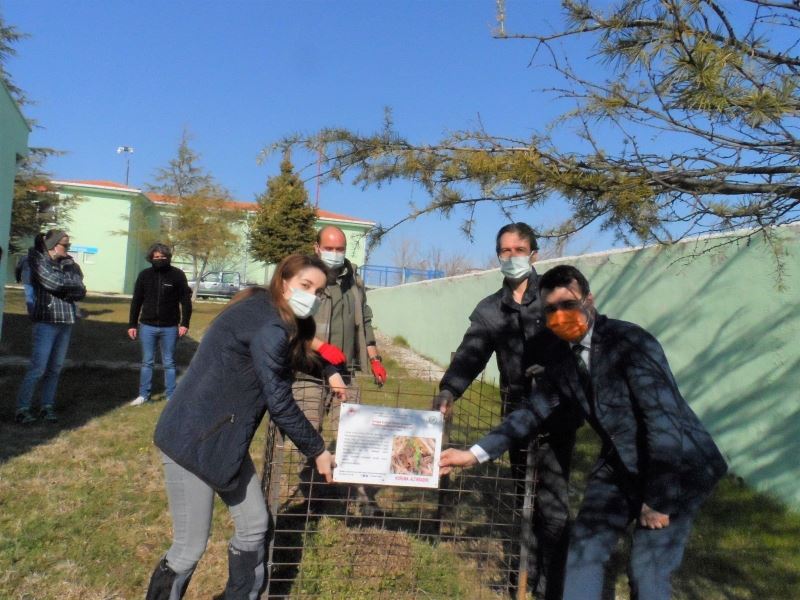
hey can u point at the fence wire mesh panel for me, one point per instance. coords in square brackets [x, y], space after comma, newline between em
[372, 542]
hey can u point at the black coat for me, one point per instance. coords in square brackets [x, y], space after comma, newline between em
[161, 298]
[514, 332]
[240, 371]
[640, 416]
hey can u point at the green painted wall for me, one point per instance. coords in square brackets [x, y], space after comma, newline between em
[97, 223]
[729, 326]
[13, 144]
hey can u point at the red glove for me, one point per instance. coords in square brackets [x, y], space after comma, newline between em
[378, 371]
[331, 353]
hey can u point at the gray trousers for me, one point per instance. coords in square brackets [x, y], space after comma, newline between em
[191, 503]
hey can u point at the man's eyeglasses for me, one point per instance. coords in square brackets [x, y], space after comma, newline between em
[65, 246]
[549, 309]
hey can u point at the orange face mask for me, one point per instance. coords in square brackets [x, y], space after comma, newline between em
[568, 324]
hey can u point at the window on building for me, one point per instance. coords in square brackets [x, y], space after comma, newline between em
[168, 223]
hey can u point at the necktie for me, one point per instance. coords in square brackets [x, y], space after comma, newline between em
[583, 370]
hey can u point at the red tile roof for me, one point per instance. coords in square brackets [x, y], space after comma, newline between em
[98, 183]
[332, 216]
[163, 199]
[252, 207]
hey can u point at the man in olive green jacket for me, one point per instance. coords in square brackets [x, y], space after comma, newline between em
[344, 323]
[344, 338]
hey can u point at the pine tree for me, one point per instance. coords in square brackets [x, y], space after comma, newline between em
[285, 220]
[36, 203]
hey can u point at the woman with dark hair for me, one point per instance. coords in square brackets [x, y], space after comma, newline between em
[242, 369]
[57, 285]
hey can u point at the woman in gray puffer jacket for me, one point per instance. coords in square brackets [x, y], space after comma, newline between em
[242, 369]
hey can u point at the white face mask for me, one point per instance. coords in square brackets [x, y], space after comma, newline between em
[515, 267]
[303, 304]
[331, 258]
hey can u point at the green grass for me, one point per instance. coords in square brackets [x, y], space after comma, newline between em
[83, 512]
[399, 340]
[366, 563]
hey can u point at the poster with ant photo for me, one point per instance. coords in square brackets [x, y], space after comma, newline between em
[388, 446]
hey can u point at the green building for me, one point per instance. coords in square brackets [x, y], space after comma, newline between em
[112, 225]
[14, 132]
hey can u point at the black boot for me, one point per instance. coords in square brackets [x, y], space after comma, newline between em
[166, 584]
[245, 574]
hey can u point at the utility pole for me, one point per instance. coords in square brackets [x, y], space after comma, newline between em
[319, 174]
[128, 150]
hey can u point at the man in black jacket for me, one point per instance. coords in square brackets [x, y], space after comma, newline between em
[509, 324]
[657, 463]
[160, 312]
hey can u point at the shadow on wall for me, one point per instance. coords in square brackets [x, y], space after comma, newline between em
[730, 336]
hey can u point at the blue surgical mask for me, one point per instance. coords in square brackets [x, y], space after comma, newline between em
[333, 259]
[303, 304]
[515, 267]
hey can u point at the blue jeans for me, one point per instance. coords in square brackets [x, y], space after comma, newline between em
[50, 343]
[609, 506]
[166, 338]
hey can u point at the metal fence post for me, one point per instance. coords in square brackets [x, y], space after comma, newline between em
[526, 539]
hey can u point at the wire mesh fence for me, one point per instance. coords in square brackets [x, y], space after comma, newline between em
[355, 541]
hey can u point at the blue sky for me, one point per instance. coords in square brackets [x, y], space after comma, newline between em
[242, 74]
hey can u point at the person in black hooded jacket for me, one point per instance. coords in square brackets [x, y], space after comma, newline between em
[160, 312]
[243, 369]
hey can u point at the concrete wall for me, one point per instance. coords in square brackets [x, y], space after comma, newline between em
[13, 145]
[729, 323]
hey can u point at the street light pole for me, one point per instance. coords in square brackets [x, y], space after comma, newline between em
[126, 150]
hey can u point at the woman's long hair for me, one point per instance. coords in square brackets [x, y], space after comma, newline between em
[301, 331]
[38, 243]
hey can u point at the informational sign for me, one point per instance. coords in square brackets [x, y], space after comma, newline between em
[388, 446]
[84, 249]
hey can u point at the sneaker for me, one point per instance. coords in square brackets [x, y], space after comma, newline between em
[48, 413]
[24, 416]
[139, 400]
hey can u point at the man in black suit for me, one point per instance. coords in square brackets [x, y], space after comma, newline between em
[657, 463]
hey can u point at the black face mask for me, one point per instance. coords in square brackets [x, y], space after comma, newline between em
[160, 263]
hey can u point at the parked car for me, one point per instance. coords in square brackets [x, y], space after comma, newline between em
[219, 284]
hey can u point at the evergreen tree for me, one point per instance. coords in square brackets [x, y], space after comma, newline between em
[285, 220]
[9, 37]
[35, 202]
